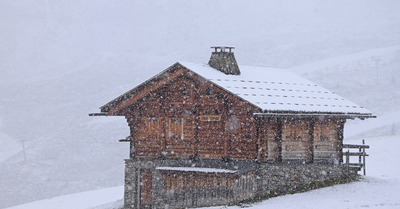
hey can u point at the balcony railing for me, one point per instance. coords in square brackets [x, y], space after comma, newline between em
[354, 150]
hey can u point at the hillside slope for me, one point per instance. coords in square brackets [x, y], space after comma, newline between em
[60, 61]
[370, 78]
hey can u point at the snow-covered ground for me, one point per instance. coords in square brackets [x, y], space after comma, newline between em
[8, 147]
[96, 199]
[60, 60]
[377, 190]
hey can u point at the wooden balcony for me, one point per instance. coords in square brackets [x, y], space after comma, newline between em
[354, 150]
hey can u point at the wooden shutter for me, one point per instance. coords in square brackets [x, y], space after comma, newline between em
[175, 129]
[325, 141]
[296, 141]
[148, 140]
[179, 137]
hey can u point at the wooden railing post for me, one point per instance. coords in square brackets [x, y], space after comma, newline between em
[361, 156]
[348, 162]
[363, 151]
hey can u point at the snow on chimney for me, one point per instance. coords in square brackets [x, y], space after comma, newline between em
[223, 60]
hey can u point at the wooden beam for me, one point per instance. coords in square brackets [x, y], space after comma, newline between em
[98, 114]
[355, 146]
[357, 154]
[363, 150]
[127, 139]
[313, 114]
[356, 164]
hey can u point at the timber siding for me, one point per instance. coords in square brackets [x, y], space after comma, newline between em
[173, 127]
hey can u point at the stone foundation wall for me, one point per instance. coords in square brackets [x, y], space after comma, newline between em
[133, 168]
[269, 179]
[288, 178]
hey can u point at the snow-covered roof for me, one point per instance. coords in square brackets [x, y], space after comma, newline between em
[277, 90]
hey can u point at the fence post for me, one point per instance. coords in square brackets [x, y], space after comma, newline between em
[348, 162]
[359, 157]
[364, 169]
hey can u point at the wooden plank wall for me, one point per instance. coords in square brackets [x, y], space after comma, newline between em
[148, 136]
[274, 143]
[297, 140]
[325, 140]
[304, 139]
[212, 135]
[166, 123]
[194, 189]
[262, 137]
[146, 186]
[243, 144]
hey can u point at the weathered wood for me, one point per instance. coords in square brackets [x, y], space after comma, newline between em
[356, 164]
[145, 91]
[177, 126]
[127, 139]
[146, 188]
[361, 154]
[355, 146]
[364, 166]
[98, 114]
[357, 154]
[348, 162]
[194, 189]
[296, 140]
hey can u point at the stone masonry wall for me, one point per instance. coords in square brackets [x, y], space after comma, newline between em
[271, 179]
[291, 178]
[133, 168]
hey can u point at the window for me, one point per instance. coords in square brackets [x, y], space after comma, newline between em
[294, 130]
[152, 128]
[175, 128]
[324, 131]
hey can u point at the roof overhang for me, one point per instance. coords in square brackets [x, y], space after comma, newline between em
[113, 107]
[98, 114]
[312, 114]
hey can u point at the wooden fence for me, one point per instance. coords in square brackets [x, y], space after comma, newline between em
[360, 153]
[194, 189]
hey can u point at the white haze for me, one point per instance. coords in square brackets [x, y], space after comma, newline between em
[60, 60]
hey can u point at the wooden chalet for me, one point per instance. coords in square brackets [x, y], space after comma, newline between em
[208, 134]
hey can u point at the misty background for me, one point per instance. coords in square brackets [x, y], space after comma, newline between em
[60, 60]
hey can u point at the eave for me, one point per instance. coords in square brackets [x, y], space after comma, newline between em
[98, 114]
[113, 107]
[288, 114]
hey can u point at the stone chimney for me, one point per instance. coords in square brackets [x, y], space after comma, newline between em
[224, 61]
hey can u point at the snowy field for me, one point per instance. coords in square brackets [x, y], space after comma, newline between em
[379, 189]
[97, 199]
[60, 60]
